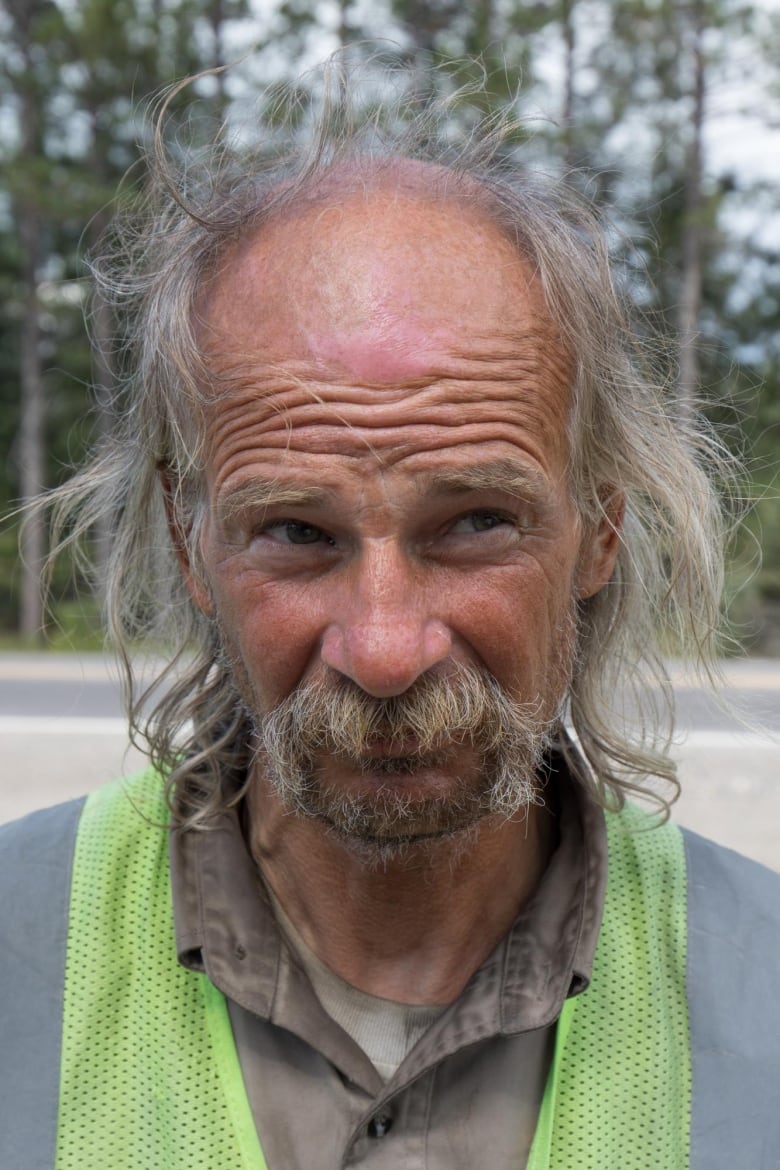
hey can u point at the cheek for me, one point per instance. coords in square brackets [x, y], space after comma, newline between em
[517, 624]
[273, 630]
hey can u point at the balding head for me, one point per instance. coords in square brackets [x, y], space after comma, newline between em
[376, 280]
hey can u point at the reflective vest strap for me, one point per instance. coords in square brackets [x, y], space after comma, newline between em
[36, 856]
[150, 1076]
[618, 1093]
[733, 974]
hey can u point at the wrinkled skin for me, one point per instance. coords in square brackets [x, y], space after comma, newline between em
[387, 496]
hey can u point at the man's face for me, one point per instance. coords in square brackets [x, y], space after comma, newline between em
[387, 482]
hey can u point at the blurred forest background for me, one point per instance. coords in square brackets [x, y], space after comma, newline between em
[636, 100]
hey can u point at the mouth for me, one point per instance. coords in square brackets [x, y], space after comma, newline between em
[399, 759]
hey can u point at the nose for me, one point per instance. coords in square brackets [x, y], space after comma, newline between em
[383, 635]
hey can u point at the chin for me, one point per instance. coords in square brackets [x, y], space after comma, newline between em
[406, 808]
[421, 845]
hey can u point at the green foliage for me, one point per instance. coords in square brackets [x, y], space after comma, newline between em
[608, 88]
[89, 66]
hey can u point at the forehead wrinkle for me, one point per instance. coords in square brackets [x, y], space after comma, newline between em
[521, 350]
[294, 402]
[252, 375]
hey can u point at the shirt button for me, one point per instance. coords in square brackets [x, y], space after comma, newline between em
[379, 1126]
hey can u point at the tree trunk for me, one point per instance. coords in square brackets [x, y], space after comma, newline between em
[689, 312]
[568, 110]
[31, 436]
[217, 19]
[31, 444]
[105, 386]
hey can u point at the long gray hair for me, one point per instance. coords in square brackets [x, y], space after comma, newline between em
[626, 435]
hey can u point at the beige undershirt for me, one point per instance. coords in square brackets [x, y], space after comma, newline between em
[385, 1030]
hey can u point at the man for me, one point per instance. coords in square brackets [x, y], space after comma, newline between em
[389, 469]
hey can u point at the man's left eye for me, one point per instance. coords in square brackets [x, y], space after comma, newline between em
[480, 522]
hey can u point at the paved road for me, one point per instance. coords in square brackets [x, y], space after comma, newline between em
[86, 687]
[62, 734]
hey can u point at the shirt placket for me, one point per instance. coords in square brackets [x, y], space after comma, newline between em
[393, 1134]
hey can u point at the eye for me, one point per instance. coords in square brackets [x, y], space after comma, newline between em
[480, 521]
[295, 532]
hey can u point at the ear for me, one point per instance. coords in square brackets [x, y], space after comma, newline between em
[600, 545]
[179, 530]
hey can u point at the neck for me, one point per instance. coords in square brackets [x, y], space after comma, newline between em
[412, 926]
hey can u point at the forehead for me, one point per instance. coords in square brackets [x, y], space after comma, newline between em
[387, 308]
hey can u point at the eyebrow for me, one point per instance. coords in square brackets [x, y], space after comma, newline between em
[262, 494]
[497, 475]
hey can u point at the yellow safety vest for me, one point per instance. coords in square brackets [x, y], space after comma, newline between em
[150, 1077]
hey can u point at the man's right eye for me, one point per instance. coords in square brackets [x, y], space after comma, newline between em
[295, 532]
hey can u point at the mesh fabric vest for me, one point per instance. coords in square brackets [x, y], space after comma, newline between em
[150, 1075]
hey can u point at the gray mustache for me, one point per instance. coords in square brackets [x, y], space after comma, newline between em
[464, 705]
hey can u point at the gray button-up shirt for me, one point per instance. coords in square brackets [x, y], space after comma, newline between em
[468, 1092]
